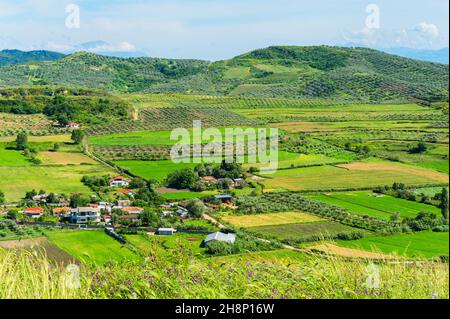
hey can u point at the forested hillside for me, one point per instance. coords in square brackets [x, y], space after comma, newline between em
[290, 72]
[10, 57]
[63, 104]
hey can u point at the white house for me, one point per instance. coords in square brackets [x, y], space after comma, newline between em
[119, 181]
[218, 236]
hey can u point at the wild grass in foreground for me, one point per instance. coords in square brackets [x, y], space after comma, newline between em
[27, 275]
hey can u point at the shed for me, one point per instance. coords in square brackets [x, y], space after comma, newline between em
[166, 231]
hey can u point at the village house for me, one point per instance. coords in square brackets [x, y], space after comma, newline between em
[124, 203]
[119, 181]
[133, 210]
[166, 231]
[225, 199]
[106, 218]
[208, 180]
[83, 215]
[61, 211]
[167, 213]
[182, 212]
[40, 198]
[239, 182]
[73, 125]
[222, 237]
[33, 212]
[128, 192]
[104, 206]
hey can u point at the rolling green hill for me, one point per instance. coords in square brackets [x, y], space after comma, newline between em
[10, 57]
[291, 72]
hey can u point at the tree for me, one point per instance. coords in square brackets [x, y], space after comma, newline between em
[2, 198]
[182, 179]
[30, 194]
[420, 148]
[76, 200]
[149, 218]
[444, 203]
[12, 214]
[55, 147]
[52, 199]
[137, 183]
[22, 141]
[77, 136]
[196, 207]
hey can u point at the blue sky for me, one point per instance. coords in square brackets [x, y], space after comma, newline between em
[218, 29]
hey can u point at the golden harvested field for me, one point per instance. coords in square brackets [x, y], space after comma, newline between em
[271, 219]
[65, 158]
[64, 138]
[350, 252]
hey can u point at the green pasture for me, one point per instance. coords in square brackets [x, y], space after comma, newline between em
[425, 244]
[371, 204]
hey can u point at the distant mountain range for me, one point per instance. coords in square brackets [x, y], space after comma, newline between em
[279, 71]
[438, 56]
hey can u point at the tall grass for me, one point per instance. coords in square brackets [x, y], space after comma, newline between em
[27, 275]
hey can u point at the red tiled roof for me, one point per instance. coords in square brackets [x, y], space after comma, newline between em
[132, 209]
[34, 210]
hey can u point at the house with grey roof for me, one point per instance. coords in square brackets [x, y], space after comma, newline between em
[222, 237]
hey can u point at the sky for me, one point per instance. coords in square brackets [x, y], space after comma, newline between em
[219, 29]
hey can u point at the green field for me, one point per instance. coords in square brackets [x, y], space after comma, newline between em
[288, 160]
[187, 195]
[16, 181]
[168, 244]
[12, 158]
[428, 191]
[156, 138]
[368, 174]
[153, 170]
[302, 230]
[93, 247]
[381, 206]
[423, 244]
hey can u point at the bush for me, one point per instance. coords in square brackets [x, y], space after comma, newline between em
[353, 235]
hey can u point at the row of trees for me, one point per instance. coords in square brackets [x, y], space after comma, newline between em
[399, 190]
[189, 179]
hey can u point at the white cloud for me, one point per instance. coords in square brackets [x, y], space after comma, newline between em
[429, 30]
[106, 47]
[423, 35]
